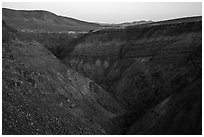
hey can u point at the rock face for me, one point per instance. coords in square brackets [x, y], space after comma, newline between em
[141, 66]
[142, 79]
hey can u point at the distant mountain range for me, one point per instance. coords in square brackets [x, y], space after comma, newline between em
[44, 21]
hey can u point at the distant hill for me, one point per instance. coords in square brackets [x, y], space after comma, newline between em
[44, 21]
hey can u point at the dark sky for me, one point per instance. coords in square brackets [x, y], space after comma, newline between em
[114, 12]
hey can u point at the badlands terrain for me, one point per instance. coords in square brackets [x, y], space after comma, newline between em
[65, 76]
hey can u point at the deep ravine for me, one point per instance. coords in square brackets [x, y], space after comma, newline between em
[137, 80]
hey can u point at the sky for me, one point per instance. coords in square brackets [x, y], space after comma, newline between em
[114, 12]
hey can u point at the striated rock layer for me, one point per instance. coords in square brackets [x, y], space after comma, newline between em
[143, 67]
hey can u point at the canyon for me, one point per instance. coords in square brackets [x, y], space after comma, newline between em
[141, 79]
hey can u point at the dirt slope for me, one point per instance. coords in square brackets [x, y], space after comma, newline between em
[41, 95]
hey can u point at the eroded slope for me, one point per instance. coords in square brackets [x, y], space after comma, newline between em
[43, 96]
[143, 65]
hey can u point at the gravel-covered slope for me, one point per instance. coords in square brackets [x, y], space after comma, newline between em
[41, 95]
